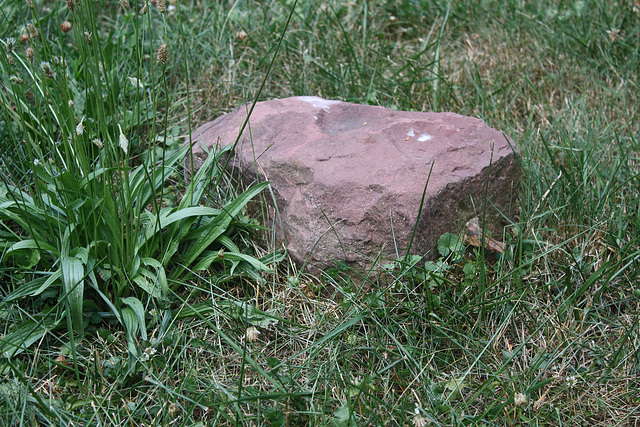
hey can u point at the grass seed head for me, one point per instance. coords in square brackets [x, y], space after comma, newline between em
[31, 55]
[33, 30]
[65, 27]
[46, 69]
[163, 54]
[10, 44]
[71, 5]
[161, 5]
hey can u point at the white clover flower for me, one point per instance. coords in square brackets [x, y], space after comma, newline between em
[173, 409]
[80, 127]
[519, 399]
[148, 353]
[419, 420]
[124, 142]
[614, 34]
[571, 381]
[36, 162]
[252, 333]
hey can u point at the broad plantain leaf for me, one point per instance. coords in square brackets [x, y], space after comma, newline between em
[72, 278]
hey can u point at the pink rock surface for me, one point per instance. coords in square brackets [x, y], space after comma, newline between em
[348, 179]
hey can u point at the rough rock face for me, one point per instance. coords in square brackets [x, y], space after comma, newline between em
[348, 179]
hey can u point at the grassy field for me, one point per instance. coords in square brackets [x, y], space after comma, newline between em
[131, 298]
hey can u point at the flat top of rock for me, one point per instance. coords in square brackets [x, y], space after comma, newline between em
[388, 145]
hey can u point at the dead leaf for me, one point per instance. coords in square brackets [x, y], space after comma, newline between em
[62, 360]
[473, 237]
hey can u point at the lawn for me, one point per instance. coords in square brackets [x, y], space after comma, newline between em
[131, 296]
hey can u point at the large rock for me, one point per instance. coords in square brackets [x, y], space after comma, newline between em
[348, 179]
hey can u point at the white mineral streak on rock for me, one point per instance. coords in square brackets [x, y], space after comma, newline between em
[410, 133]
[318, 102]
[424, 137]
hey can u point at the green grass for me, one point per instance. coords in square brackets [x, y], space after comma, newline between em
[132, 297]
